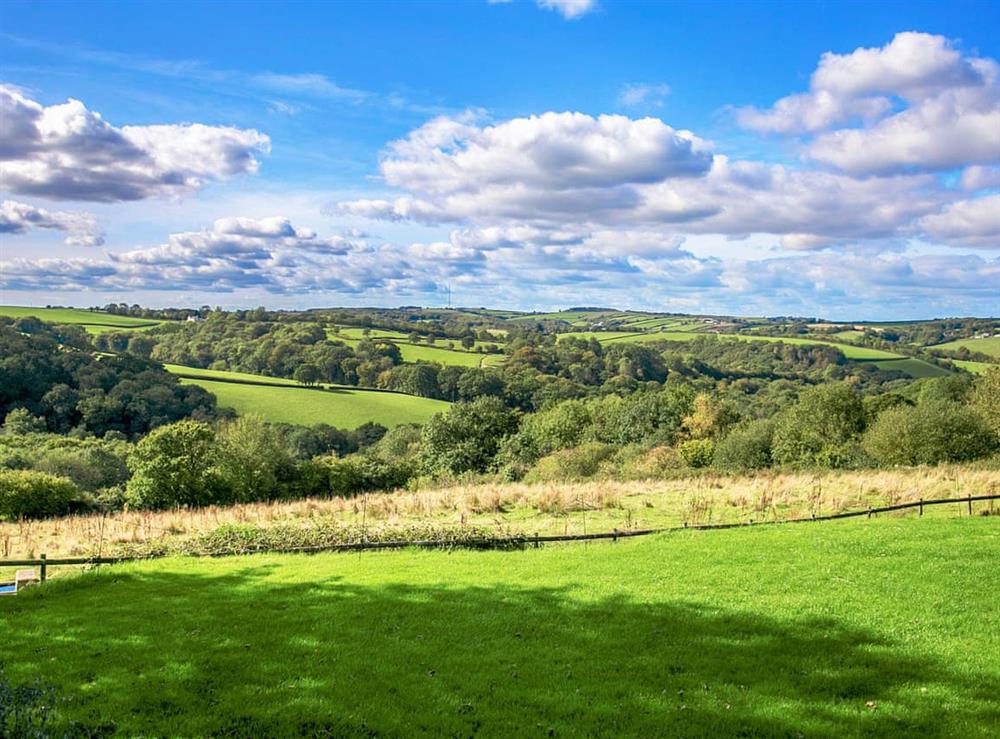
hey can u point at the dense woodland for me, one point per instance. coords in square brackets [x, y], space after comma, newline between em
[96, 422]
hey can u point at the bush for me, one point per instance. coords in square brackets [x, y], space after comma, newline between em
[368, 473]
[30, 494]
[932, 432]
[252, 461]
[697, 452]
[747, 447]
[578, 463]
[174, 466]
[660, 461]
[467, 436]
[826, 419]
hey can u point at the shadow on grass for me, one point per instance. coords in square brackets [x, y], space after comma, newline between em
[244, 654]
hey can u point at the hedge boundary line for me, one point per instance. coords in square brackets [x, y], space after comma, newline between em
[507, 542]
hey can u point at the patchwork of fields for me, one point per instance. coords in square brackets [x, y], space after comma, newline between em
[94, 322]
[858, 628]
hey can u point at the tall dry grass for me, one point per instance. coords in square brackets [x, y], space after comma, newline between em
[537, 508]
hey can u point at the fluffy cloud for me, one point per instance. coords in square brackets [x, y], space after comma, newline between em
[973, 222]
[552, 167]
[68, 152]
[921, 105]
[20, 218]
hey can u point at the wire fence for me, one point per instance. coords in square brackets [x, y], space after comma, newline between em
[507, 542]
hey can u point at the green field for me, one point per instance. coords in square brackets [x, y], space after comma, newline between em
[989, 346]
[208, 374]
[438, 352]
[912, 366]
[976, 368]
[94, 322]
[886, 628]
[851, 352]
[340, 407]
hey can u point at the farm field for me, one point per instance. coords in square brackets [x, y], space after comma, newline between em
[94, 322]
[989, 346]
[340, 407]
[530, 509]
[851, 352]
[912, 366]
[857, 628]
[439, 352]
[209, 374]
[976, 368]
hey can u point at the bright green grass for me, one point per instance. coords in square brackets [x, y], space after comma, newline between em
[340, 407]
[989, 346]
[208, 374]
[439, 352]
[850, 334]
[912, 366]
[93, 321]
[845, 629]
[977, 368]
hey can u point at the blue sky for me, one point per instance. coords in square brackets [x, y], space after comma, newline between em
[700, 157]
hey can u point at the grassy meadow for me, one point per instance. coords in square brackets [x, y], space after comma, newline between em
[855, 628]
[529, 509]
[989, 346]
[94, 322]
[345, 408]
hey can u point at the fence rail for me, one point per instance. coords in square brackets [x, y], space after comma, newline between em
[506, 542]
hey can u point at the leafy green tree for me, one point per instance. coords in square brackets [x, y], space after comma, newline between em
[467, 436]
[32, 494]
[820, 427]
[307, 374]
[175, 465]
[711, 418]
[252, 462]
[929, 433]
[21, 421]
[986, 398]
[746, 447]
[468, 342]
[643, 416]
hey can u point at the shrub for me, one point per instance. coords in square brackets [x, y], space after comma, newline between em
[986, 398]
[174, 466]
[20, 421]
[660, 461]
[932, 432]
[643, 416]
[811, 432]
[31, 494]
[368, 473]
[467, 436]
[578, 463]
[747, 447]
[697, 452]
[252, 461]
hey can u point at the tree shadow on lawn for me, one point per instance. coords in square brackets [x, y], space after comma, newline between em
[245, 654]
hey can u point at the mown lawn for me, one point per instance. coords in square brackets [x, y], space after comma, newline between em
[857, 628]
[340, 407]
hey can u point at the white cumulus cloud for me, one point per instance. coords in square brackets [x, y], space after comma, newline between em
[20, 218]
[68, 152]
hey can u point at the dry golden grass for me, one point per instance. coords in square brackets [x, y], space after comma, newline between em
[543, 508]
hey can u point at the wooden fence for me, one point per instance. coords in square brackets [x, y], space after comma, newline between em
[510, 542]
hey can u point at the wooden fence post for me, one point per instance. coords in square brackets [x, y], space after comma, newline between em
[970, 504]
[921, 506]
[44, 568]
